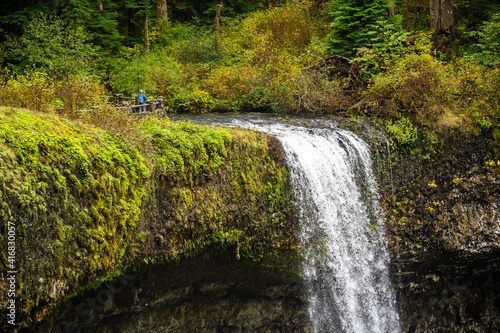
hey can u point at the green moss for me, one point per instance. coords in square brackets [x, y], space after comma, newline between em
[232, 192]
[88, 204]
[66, 187]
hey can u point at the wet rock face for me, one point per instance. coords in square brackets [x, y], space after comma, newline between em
[443, 225]
[472, 223]
[452, 293]
[193, 297]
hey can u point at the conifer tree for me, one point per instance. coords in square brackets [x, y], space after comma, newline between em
[353, 23]
[99, 18]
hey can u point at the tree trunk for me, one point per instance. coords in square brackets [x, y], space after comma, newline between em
[162, 15]
[405, 14]
[446, 14]
[146, 37]
[434, 6]
[217, 28]
[441, 14]
[390, 11]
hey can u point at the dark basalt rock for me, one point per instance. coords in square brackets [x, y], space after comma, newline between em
[455, 292]
[198, 295]
[444, 233]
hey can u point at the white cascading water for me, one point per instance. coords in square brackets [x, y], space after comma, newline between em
[345, 270]
[341, 230]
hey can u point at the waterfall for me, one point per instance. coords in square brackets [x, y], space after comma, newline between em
[345, 270]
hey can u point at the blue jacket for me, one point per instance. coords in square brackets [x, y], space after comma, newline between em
[141, 99]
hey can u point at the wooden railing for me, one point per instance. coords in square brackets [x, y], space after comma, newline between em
[131, 105]
[154, 107]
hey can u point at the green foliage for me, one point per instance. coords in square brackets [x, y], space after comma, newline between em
[194, 43]
[268, 35]
[417, 16]
[415, 85]
[233, 86]
[102, 24]
[78, 92]
[200, 100]
[183, 150]
[49, 45]
[403, 131]
[445, 97]
[472, 13]
[263, 55]
[256, 61]
[387, 44]
[354, 22]
[157, 75]
[487, 49]
[233, 194]
[466, 13]
[204, 11]
[37, 91]
[309, 92]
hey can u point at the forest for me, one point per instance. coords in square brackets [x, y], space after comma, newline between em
[94, 193]
[432, 62]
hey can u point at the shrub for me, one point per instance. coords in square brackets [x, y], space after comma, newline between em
[403, 131]
[387, 44]
[232, 85]
[487, 48]
[193, 43]
[415, 85]
[34, 90]
[79, 92]
[481, 98]
[354, 23]
[309, 92]
[318, 94]
[155, 73]
[199, 101]
[266, 35]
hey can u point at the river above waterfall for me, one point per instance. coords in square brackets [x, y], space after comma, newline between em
[345, 266]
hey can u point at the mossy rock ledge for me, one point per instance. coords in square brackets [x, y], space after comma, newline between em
[90, 208]
[191, 228]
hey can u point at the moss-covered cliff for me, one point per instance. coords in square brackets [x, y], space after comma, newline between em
[88, 203]
[442, 196]
[202, 217]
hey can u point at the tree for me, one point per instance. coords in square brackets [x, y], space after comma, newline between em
[49, 44]
[405, 14]
[473, 13]
[353, 23]
[99, 18]
[162, 15]
[441, 14]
